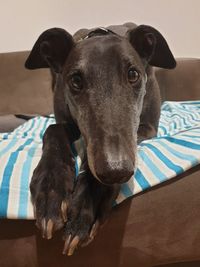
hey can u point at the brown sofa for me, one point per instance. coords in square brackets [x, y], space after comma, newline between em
[157, 227]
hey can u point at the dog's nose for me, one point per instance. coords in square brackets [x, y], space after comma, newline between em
[117, 172]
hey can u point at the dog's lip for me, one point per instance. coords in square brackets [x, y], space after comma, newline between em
[122, 181]
[126, 179]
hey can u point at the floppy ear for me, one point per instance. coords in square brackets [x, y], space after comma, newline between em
[50, 50]
[151, 46]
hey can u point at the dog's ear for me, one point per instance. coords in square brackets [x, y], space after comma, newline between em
[50, 50]
[151, 46]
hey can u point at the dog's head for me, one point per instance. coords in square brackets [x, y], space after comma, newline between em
[104, 83]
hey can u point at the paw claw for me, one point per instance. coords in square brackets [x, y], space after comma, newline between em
[64, 207]
[43, 227]
[94, 229]
[47, 228]
[92, 234]
[73, 245]
[87, 242]
[70, 245]
[66, 245]
[49, 231]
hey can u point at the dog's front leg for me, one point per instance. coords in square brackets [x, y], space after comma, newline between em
[53, 180]
[90, 206]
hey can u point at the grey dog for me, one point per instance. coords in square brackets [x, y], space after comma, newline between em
[105, 91]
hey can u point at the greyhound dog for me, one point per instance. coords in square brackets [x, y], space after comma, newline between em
[106, 93]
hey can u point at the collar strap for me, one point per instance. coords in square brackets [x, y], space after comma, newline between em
[98, 32]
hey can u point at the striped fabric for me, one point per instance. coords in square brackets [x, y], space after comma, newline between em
[174, 150]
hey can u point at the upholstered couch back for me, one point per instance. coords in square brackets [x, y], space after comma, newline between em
[29, 92]
[23, 91]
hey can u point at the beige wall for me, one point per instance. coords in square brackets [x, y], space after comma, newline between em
[21, 21]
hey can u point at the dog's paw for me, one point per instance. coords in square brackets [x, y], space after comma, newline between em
[90, 206]
[51, 187]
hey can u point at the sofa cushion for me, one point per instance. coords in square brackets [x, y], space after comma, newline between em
[9, 122]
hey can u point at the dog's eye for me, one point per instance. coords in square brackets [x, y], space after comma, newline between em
[133, 75]
[76, 81]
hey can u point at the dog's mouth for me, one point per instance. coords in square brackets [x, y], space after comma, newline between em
[123, 180]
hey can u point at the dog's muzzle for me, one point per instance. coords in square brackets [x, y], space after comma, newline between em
[114, 172]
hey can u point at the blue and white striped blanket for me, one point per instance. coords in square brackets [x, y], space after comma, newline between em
[174, 150]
